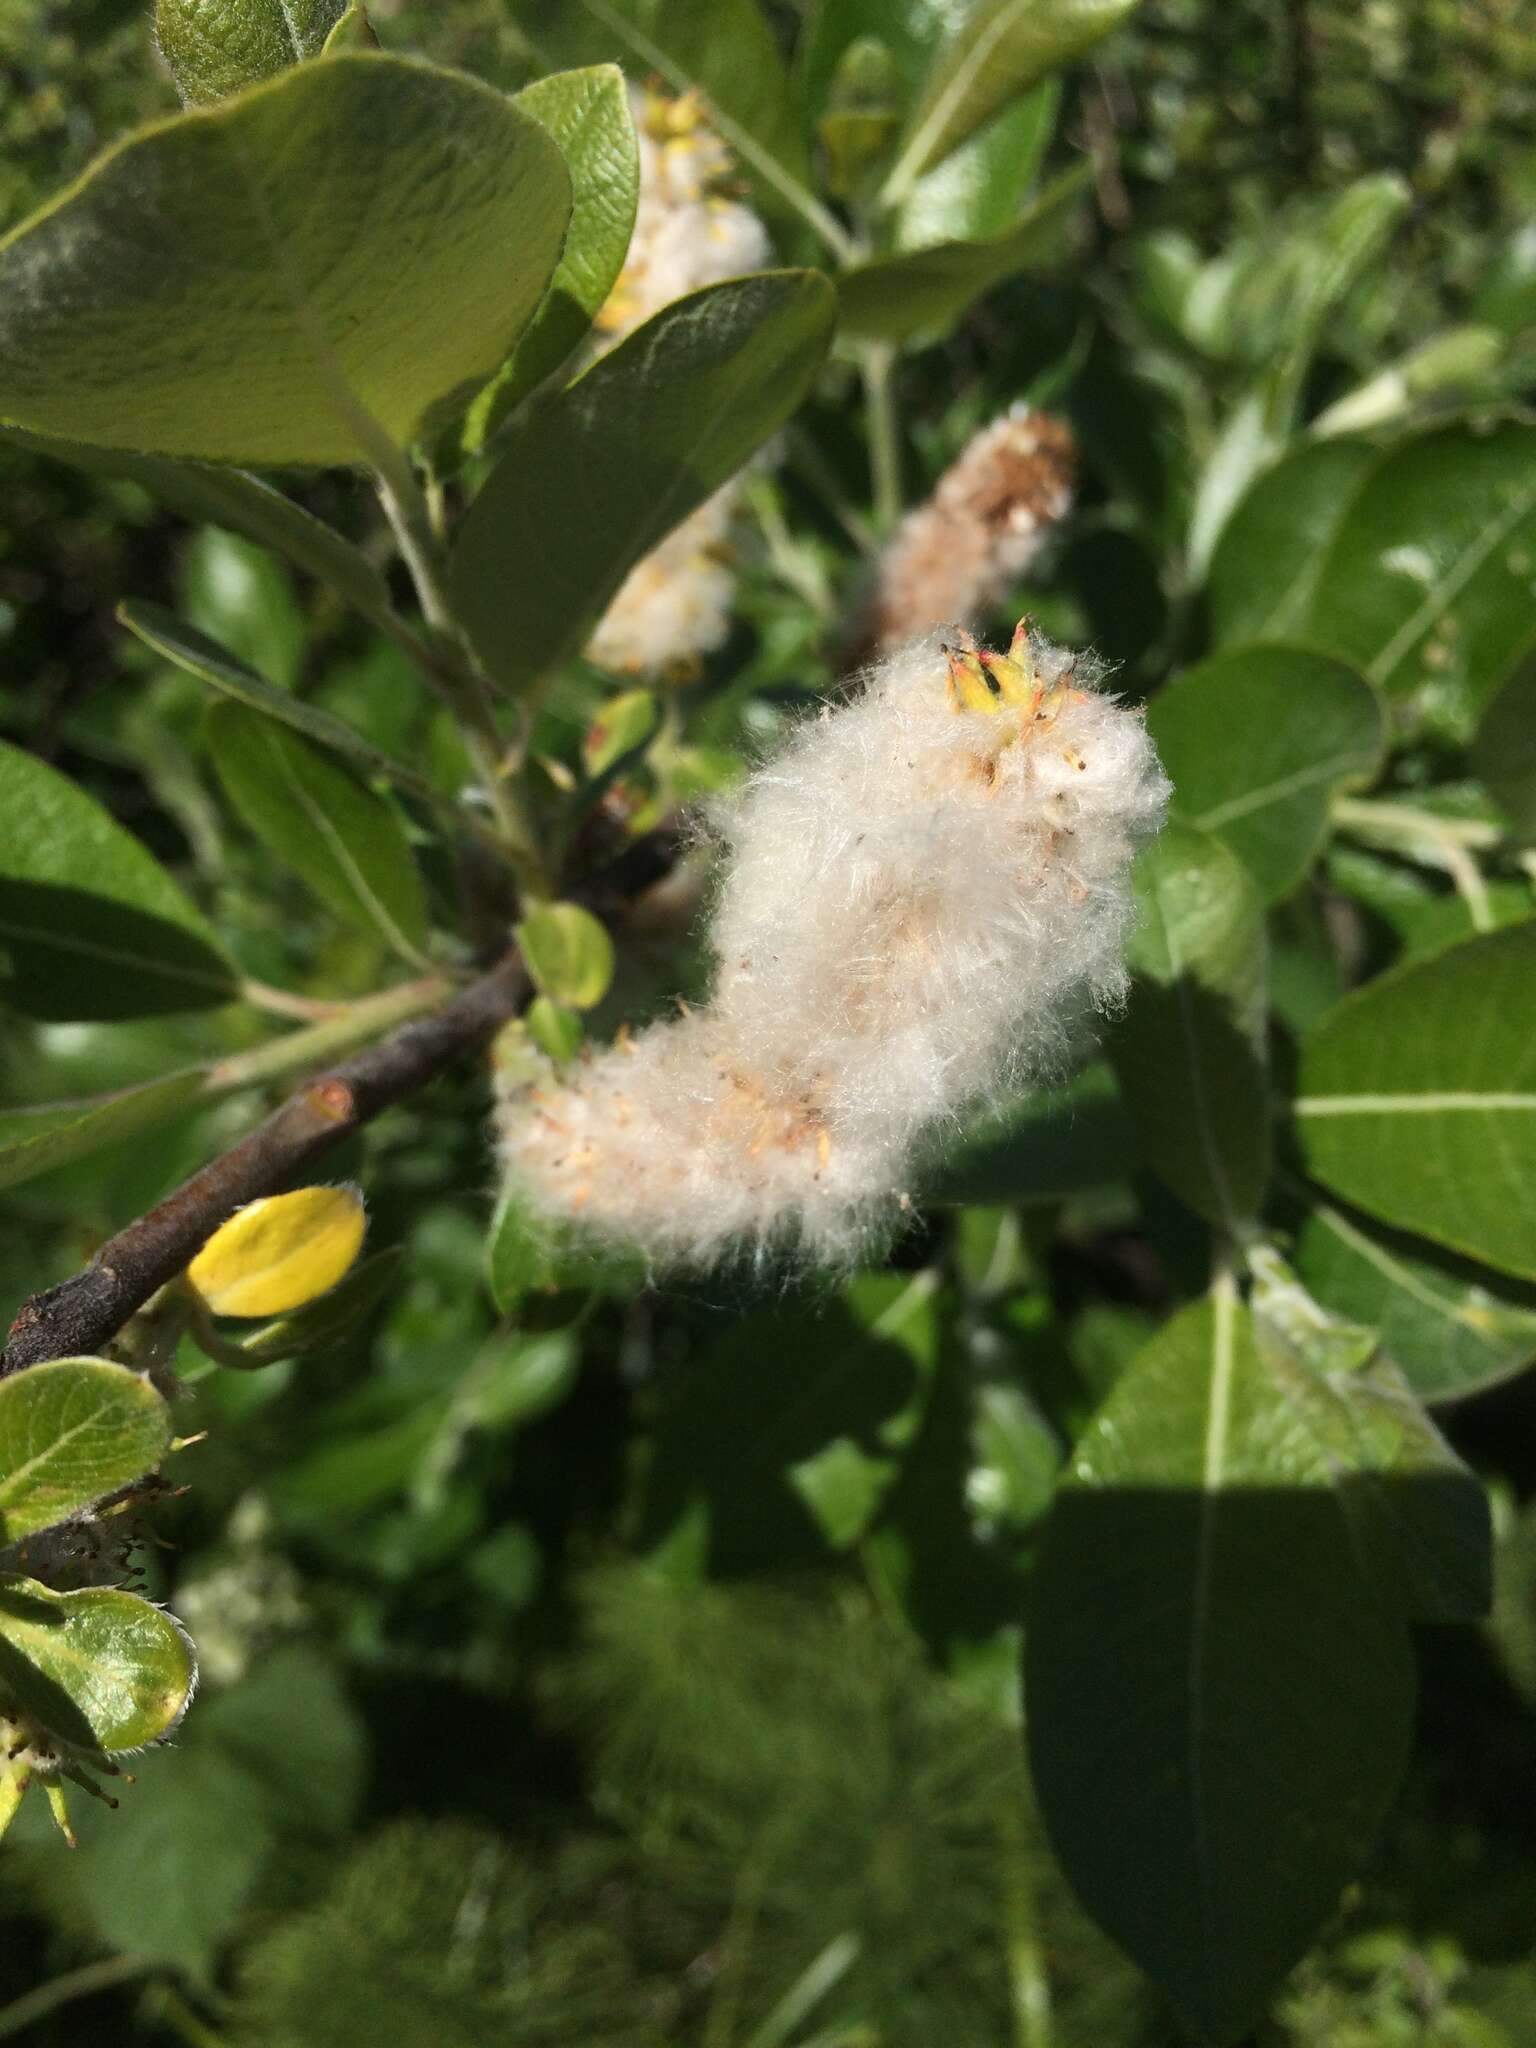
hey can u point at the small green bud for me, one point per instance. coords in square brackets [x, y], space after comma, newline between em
[216, 47]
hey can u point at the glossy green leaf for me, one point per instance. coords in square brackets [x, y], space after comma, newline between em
[587, 114]
[343, 842]
[1256, 742]
[977, 192]
[238, 503]
[90, 924]
[1428, 583]
[297, 275]
[1266, 564]
[1190, 1049]
[215, 47]
[1418, 1098]
[926, 290]
[34, 1140]
[1417, 1517]
[101, 1669]
[188, 649]
[1050, 1143]
[725, 50]
[1504, 750]
[588, 483]
[1219, 1707]
[910, 30]
[1451, 1326]
[999, 49]
[568, 953]
[72, 1432]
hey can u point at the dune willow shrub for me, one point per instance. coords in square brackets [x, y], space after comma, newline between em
[1019, 1143]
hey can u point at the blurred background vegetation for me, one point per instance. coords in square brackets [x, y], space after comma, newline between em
[649, 1677]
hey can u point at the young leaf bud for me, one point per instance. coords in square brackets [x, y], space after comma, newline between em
[215, 47]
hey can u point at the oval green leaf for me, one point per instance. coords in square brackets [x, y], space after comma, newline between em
[1257, 742]
[587, 114]
[342, 841]
[1418, 1098]
[34, 1140]
[568, 953]
[1452, 1327]
[297, 275]
[214, 47]
[1190, 1048]
[71, 1432]
[1219, 1707]
[587, 484]
[178, 642]
[1427, 586]
[101, 1669]
[1265, 568]
[91, 926]
[1504, 751]
[1000, 49]
[926, 290]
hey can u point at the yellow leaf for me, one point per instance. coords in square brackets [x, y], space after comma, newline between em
[277, 1253]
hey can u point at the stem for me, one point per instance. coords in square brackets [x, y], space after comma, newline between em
[82, 1983]
[458, 680]
[282, 1002]
[877, 361]
[1445, 843]
[355, 1025]
[1028, 1977]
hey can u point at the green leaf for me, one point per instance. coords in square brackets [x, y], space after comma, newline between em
[1418, 1098]
[90, 924]
[101, 1669]
[297, 275]
[234, 501]
[353, 31]
[1050, 1143]
[976, 193]
[568, 953]
[587, 484]
[1427, 584]
[1451, 1326]
[1257, 742]
[724, 49]
[271, 1765]
[1265, 568]
[1190, 1049]
[1000, 49]
[1219, 1708]
[245, 601]
[1418, 1518]
[34, 1140]
[926, 290]
[1504, 750]
[183, 644]
[909, 30]
[214, 47]
[71, 1432]
[587, 114]
[340, 840]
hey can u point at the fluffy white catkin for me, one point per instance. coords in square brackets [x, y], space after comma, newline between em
[923, 895]
[675, 604]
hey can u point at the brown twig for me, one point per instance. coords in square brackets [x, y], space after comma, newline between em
[83, 1313]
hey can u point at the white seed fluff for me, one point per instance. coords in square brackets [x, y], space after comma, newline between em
[675, 605]
[920, 904]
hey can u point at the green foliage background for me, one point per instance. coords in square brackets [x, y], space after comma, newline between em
[629, 1667]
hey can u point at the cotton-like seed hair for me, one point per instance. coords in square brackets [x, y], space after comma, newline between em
[674, 607]
[923, 897]
[960, 554]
